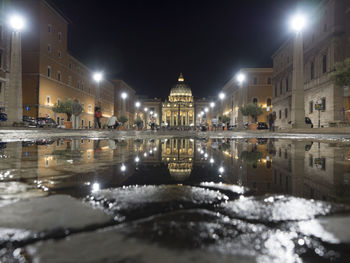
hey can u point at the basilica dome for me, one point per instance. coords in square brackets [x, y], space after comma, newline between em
[181, 91]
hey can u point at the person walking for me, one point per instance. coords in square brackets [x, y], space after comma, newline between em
[76, 111]
[98, 116]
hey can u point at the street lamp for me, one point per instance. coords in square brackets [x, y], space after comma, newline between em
[15, 107]
[206, 109]
[240, 79]
[222, 96]
[137, 104]
[297, 24]
[97, 77]
[212, 104]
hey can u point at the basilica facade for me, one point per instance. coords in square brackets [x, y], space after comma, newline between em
[179, 109]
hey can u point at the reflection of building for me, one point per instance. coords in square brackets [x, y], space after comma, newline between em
[257, 88]
[4, 56]
[325, 43]
[179, 155]
[178, 110]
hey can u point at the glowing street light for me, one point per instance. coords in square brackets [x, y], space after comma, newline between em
[137, 159]
[240, 78]
[137, 104]
[222, 96]
[206, 109]
[123, 168]
[145, 109]
[97, 76]
[17, 22]
[211, 160]
[124, 95]
[221, 170]
[298, 23]
[212, 104]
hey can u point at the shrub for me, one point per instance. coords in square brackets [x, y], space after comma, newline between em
[252, 110]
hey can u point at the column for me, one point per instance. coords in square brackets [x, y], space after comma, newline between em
[298, 106]
[15, 108]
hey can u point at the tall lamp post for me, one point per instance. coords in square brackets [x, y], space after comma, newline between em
[124, 95]
[97, 76]
[15, 104]
[240, 79]
[298, 23]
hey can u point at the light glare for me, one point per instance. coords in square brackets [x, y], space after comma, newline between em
[240, 78]
[137, 104]
[221, 95]
[17, 22]
[124, 95]
[97, 76]
[298, 22]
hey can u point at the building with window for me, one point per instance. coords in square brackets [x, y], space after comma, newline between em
[326, 41]
[5, 36]
[256, 88]
[51, 74]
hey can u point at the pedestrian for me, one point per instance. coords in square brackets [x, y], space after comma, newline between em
[76, 111]
[98, 116]
[112, 122]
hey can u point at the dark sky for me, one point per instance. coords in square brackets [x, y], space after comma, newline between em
[147, 43]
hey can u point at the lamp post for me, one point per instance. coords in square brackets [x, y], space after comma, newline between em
[240, 79]
[97, 76]
[15, 104]
[298, 23]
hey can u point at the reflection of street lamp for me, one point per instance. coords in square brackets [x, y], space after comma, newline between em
[297, 24]
[97, 77]
[15, 108]
[240, 79]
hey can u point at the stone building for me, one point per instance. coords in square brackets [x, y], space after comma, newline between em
[50, 73]
[326, 41]
[257, 88]
[4, 56]
[178, 110]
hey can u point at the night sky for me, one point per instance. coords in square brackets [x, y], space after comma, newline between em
[148, 43]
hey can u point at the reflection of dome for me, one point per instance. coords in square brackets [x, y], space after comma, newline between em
[180, 89]
[180, 171]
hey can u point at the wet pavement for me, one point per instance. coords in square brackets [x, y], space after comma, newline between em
[174, 200]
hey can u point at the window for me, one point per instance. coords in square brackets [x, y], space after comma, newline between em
[78, 84]
[70, 65]
[323, 103]
[311, 160]
[49, 28]
[59, 36]
[89, 108]
[286, 113]
[312, 70]
[276, 90]
[324, 64]
[49, 48]
[49, 71]
[89, 90]
[280, 114]
[269, 81]
[281, 87]
[255, 101]
[287, 85]
[48, 100]
[59, 76]
[311, 107]
[82, 125]
[255, 80]
[268, 102]
[82, 85]
[59, 54]
[1, 58]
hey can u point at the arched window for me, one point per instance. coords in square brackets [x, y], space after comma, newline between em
[268, 102]
[255, 101]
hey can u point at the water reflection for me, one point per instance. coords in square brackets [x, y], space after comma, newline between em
[300, 168]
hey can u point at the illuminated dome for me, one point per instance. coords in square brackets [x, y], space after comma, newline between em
[181, 91]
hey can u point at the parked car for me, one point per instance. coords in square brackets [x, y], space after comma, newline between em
[30, 121]
[3, 116]
[308, 121]
[262, 126]
[46, 122]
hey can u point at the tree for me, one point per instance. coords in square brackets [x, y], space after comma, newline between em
[253, 110]
[224, 119]
[123, 119]
[64, 107]
[341, 76]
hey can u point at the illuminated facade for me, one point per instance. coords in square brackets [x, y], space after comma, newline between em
[178, 110]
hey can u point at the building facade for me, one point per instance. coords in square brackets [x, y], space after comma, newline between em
[257, 88]
[51, 74]
[5, 36]
[326, 41]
